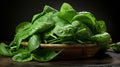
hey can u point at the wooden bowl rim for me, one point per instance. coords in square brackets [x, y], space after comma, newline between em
[64, 45]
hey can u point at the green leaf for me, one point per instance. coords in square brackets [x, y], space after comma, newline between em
[67, 12]
[4, 50]
[86, 18]
[65, 31]
[22, 26]
[21, 49]
[46, 9]
[34, 42]
[66, 6]
[59, 21]
[44, 55]
[101, 26]
[83, 34]
[40, 25]
[43, 23]
[36, 16]
[76, 24]
[101, 39]
[115, 47]
[49, 34]
[22, 57]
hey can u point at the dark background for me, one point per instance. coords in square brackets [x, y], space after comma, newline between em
[14, 12]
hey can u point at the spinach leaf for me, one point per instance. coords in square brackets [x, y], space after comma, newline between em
[64, 31]
[23, 56]
[22, 26]
[54, 40]
[44, 55]
[43, 23]
[34, 42]
[67, 12]
[101, 39]
[46, 9]
[21, 49]
[59, 21]
[104, 37]
[88, 19]
[76, 24]
[36, 16]
[83, 34]
[101, 26]
[115, 47]
[63, 40]
[40, 25]
[4, 50]
[48, 35]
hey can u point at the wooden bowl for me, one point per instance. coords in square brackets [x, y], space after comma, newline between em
[72, 50]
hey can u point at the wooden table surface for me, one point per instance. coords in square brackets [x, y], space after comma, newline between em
[109, 59]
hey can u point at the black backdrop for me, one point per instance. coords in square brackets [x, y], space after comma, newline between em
[15, 11]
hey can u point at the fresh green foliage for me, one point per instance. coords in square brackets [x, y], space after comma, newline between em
[88, 19]
[67, 12]
[64, 26]
[101, 39]
[23, 57]
[22, 26]
[115, 47]
[101, 26]
[44, 55]
[34, 42]
[4, 50]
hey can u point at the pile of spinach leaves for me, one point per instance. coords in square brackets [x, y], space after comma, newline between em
[64, 26]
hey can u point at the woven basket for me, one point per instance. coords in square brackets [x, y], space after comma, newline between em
[73, 50]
